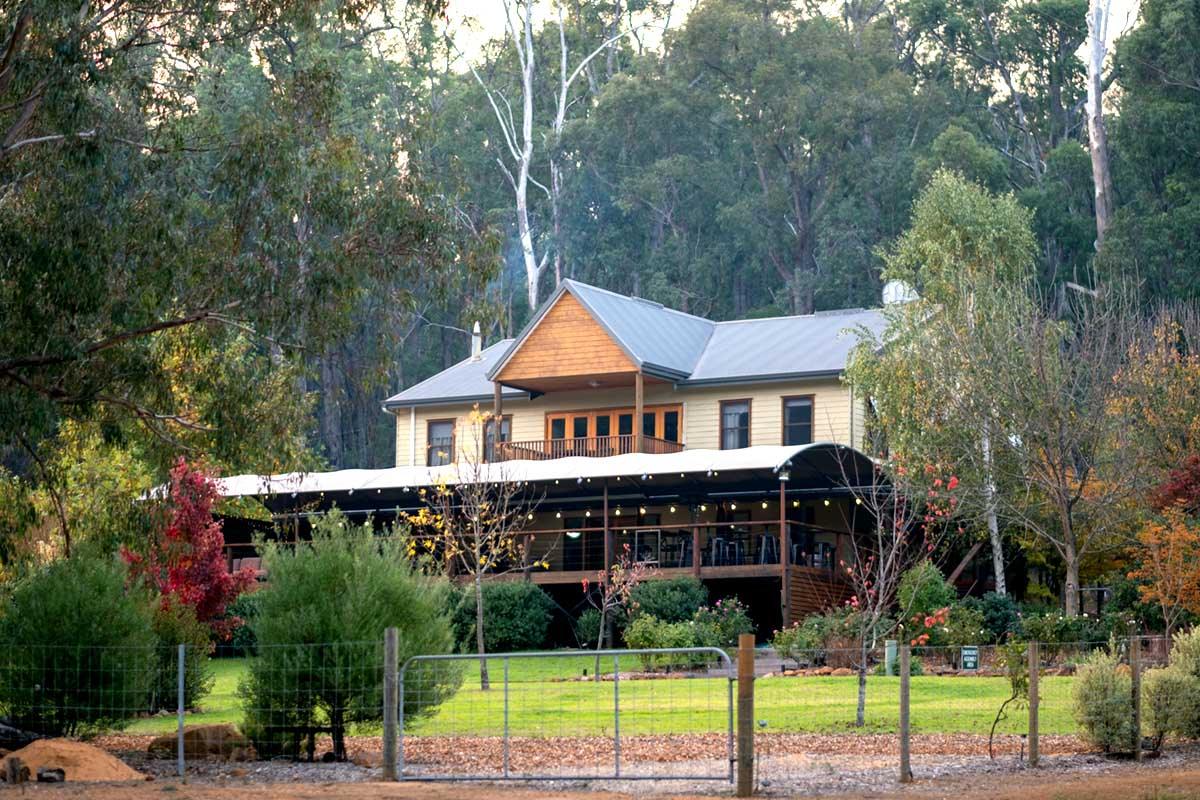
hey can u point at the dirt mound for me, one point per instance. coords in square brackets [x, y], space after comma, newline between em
[80, 762]
[202, 741]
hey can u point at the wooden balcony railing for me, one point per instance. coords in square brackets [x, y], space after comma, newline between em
[595, 446]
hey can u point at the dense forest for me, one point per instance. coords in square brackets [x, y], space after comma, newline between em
[230, 231]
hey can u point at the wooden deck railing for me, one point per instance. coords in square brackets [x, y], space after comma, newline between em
[595, 446]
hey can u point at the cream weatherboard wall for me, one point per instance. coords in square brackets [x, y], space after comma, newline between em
[837, 414]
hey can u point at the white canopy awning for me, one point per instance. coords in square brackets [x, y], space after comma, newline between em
[632, 465]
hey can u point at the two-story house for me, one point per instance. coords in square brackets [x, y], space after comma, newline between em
[724, 450]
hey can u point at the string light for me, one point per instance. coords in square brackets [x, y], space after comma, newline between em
[795, 504]
[858, 501]
[617, 512]
[672, 509]
[733, 506]
[558, 515]
[827, 502]
[703, 507]
[587, 513]
[764, 504]
[641, 509]
[529, 515]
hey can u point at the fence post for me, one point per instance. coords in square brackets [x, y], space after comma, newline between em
[506, 745]
[745, 716]
[1035, 666]
[905, 677]
[1135, 685]
[391, 648]
[617, 713]
[181, 669]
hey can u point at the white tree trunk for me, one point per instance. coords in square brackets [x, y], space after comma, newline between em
[1097, 22]
[989, 510]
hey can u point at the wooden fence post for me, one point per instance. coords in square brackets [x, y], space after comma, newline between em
[1135, 685]
[745, 715]
[390, 700]
[905, 679]
[1034, 669]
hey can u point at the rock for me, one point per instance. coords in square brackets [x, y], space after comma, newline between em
[51, 775]
[15, 770]
[203, 741]
[14, 738]
[238, 773]
[842, 672]
[825, 671]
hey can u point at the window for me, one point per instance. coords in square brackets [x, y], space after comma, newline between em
[671, 426]
[490, 441]
[579, 427]
[558, 428]
[648, 420]
[625, 424]
[735, 424]
[439, 447]
[797, 420]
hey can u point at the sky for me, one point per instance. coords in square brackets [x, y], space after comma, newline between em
[476, 21]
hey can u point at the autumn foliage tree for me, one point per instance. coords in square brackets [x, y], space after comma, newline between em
[186, 562]
[1168, 547]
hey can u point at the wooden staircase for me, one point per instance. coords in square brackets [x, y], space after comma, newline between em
[814, 590]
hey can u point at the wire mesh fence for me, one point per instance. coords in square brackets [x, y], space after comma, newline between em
[624, 714]
[627, 714]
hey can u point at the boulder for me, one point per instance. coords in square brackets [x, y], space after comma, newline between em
[14, 738]
[842, 672]
[205, 741]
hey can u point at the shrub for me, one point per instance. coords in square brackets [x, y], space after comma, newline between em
[77, 648]
[1054, 629]
[1171, 704]
[721, 624]
[1185, 652]
[587, 628]
[1001, 615]
[830, 638]
[244, 611]
[516, 616]
[965, 625]
[646, 633]
[1102, 703]
[923, 590]
[320, 632]
[673, 600]
[796, 642]
[176, 624]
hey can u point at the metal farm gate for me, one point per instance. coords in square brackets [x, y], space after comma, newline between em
[661, 714]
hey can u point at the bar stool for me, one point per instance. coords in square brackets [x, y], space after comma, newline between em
[768, 549]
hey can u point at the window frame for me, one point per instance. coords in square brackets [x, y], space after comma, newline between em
[429, 423]
[749, 421]
[812, 417]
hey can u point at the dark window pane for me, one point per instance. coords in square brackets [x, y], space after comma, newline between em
[625, 425]
[671, 426]
[602, 425]
[490, 441]
[558, 428]
[797, 421]
[441, 443]
[579, 427]
[648, 423]
[735, 425]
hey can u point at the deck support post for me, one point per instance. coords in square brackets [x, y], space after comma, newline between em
[785, 555]
[639, 404]
[608, 560]
[696, 541]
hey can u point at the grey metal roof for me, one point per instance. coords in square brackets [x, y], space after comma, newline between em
[466, 380]
[671, 344]
[654, 335]
[781, 347]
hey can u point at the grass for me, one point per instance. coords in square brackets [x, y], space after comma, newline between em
[544, 702]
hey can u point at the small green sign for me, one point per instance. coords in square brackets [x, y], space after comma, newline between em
[970, 658]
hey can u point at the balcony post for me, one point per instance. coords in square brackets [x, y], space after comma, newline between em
[497, 415]
[785, 555]
[696, 541]
[608, 555]
[638, 406]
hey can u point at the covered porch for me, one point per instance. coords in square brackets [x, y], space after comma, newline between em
[779, 519]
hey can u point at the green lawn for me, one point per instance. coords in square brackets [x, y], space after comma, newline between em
[544, 702]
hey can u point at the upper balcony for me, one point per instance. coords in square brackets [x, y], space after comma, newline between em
[594, 446]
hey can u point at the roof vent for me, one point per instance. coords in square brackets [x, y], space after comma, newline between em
[898, 292]
[476, 342]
